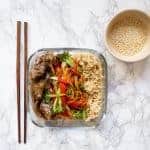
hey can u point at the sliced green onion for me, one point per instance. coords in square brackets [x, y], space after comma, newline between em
[57, 106]
[47, 97]
[66, 57]
[79, 114]
[54, 78]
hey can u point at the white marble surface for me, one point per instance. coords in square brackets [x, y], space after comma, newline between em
[75, 23]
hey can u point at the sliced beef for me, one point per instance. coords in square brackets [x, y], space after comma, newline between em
[37, 89]
[39, 77]
[41, 66]
[38, 72]
[45, 111]
[56, 62]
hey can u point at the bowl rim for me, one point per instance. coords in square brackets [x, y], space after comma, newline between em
[145, 13]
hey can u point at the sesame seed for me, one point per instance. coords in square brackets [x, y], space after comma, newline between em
[128, 35]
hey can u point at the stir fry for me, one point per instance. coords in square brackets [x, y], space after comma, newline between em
[64, 94]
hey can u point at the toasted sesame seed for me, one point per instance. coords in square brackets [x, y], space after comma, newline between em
[128, 35]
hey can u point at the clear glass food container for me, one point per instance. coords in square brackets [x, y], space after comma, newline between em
[41, 122]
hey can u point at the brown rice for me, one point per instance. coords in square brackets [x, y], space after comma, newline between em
[92, 70]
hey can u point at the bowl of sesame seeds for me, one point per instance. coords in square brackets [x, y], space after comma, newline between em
[127, 35]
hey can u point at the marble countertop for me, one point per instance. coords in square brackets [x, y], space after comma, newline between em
[75, 23]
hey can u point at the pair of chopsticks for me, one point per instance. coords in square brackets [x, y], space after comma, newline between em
[18, 66]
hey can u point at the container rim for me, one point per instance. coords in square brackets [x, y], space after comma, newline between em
[100, 56]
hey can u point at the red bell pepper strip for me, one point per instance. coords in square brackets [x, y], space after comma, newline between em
[77, 104]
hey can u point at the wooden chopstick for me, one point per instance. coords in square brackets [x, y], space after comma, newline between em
[25, 78]
[18, 79]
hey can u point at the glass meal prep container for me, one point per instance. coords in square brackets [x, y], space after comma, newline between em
[40, 121]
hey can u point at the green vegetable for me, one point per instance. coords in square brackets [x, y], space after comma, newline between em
[84, 114]
[47, 97]
[66, 57]
[57, 106]
[80, 114]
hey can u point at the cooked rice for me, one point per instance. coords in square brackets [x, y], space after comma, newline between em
[93, 73]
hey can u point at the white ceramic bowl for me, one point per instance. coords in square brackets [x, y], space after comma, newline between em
[145, 51]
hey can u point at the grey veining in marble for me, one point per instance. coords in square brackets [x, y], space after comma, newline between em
[75, 23]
